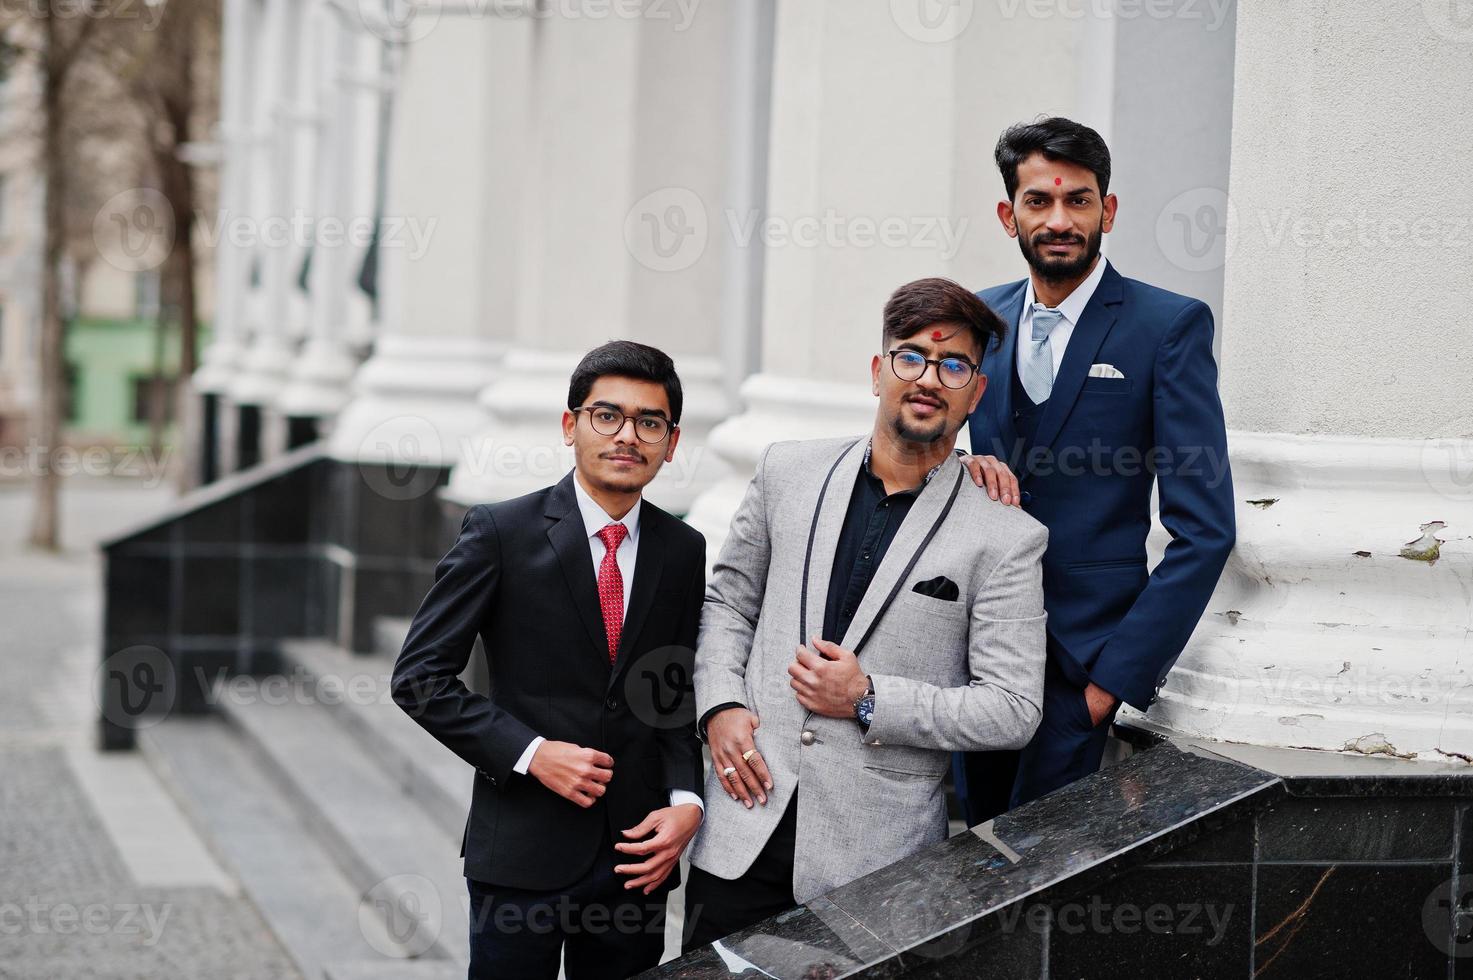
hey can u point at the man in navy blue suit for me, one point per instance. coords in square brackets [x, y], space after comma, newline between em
[1102, 387]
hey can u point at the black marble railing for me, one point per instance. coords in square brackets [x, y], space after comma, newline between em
[1184, 860]
[301, 545]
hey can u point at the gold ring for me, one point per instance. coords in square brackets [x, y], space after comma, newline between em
[747, 755]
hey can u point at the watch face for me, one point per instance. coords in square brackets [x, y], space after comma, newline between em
[865, 709]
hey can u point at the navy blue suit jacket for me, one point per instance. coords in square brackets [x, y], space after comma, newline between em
[1100, 444]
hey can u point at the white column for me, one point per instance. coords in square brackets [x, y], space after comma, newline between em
[883, 121]
[237, 53]
[348, 74]
[269, 352]
[414, 400]
[1342, 620]
[627, 175]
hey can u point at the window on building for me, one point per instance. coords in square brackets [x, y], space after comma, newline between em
[143, 387]
[146, 294]
[70, 401]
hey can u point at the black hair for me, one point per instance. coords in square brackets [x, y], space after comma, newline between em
[1056, 138]
[932, 302]
[626, 359]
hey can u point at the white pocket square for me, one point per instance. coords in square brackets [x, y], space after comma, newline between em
[1104, 371]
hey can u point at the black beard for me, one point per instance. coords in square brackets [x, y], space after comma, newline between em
[924, 436]
[1061, 270]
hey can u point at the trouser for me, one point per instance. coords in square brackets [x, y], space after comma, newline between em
[604, 930]
[1066, 747]
[716, 907]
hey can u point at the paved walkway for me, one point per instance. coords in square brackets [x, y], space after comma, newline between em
[101, 876]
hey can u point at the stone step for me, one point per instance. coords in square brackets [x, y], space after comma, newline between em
[354, 689]
[315, 912]
[388, 635]
[403, 970]
[402, 860]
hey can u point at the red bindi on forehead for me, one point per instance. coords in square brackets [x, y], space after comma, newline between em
[935, 334]
[1058, 181]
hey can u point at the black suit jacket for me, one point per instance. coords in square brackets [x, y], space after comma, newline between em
[521, 576]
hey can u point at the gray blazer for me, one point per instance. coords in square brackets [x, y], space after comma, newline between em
[948, 675]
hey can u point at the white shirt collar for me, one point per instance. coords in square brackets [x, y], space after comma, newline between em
[595, 518]
[1074, 304]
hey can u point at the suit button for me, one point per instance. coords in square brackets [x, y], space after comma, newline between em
[612, 704]
[1027, 497]
[806, 738]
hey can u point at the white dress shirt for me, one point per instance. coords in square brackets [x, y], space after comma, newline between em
[1072, 308]
[595, 519]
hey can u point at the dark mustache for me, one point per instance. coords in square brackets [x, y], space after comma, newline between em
[1058, 240]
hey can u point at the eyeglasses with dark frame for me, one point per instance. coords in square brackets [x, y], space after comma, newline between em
[608, 421]
[910, 365]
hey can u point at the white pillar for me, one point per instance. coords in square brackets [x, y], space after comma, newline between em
[883, 122]
[1342, 619]
[348, 74]
[628, 172]
[237, 53]
[414, 400]
[268, 353]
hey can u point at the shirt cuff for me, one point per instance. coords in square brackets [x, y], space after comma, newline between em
[679, 796]
[706, 718]
[525, 762]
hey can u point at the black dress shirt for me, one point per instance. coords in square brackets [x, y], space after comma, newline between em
[870, 524]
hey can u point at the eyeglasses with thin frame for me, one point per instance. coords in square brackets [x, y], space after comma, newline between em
[608, 421]
[910, 365]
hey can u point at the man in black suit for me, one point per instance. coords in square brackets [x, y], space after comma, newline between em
[588, 781]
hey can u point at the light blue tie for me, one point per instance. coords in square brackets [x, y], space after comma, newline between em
[1038, 360]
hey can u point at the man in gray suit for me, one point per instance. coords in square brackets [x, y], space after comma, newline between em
[871, 611]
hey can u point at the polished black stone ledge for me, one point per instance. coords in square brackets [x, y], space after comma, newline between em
[981, 897]
[1187, 859]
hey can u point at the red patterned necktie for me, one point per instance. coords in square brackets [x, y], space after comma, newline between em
[611, 586]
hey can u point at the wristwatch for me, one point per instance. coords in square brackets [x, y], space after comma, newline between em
[864, 705]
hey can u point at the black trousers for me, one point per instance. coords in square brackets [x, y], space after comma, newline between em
[605, 932]
[1066, 747]
[716, 907]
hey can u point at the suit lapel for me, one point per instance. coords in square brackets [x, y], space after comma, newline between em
[1094, 324]
[1004, 365]
[913, 535]
[649, 564]
[824, 536]
[569, 539]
